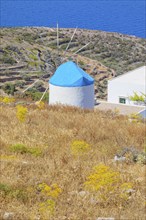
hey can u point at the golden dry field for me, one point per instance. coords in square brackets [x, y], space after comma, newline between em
[57, 163]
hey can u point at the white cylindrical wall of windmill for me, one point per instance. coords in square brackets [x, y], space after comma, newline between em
[82, 97]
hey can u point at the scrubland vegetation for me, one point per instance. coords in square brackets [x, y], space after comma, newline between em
[58, 163]
[28, 53]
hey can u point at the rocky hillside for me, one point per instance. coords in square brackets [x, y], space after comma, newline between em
[29, 53]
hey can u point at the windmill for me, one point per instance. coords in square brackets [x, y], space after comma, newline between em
[56, 61]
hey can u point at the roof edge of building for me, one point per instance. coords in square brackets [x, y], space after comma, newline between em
[71, 86]
[117, 77]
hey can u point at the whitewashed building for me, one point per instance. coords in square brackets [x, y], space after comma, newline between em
[122, 87]
[70, 85]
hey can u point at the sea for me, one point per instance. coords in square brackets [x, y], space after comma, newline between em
[122, 16]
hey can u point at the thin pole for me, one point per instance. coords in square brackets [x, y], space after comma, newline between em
[57, 36]
[70, 41]
[78, 50]
[30, 85]
[34, 82]
[81, 48]
[44, 94]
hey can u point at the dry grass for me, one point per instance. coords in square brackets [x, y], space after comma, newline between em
[52, 131]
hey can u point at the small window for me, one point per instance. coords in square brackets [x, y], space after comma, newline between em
[122, 100]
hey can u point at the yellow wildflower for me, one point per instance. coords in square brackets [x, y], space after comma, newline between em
[48, 205]
[79, 147]
[7, 100]
[102, 178]
[21, 113]
[107, 183]
[52, 191]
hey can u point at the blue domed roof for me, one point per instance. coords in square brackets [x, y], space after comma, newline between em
[70, 75]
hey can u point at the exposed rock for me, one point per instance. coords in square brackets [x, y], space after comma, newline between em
[8, 215]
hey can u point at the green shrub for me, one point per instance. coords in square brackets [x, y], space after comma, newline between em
[19, 83]
[9, 191]
[35, 151]
[7, 59]
[33, 57]
[26, 78]
[12, 48]
[29, 37]
[19, 39]
[36, 96]
[21, 148]
[136, 97]
[9, 88]
[5, 188]
[33, 63]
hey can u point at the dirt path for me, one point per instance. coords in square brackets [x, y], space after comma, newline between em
[122, 109]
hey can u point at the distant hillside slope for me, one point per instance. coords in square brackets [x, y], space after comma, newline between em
[28, 53]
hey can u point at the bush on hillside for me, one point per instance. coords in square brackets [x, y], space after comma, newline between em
[36, 96]
[9, 88]
[7, 59]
